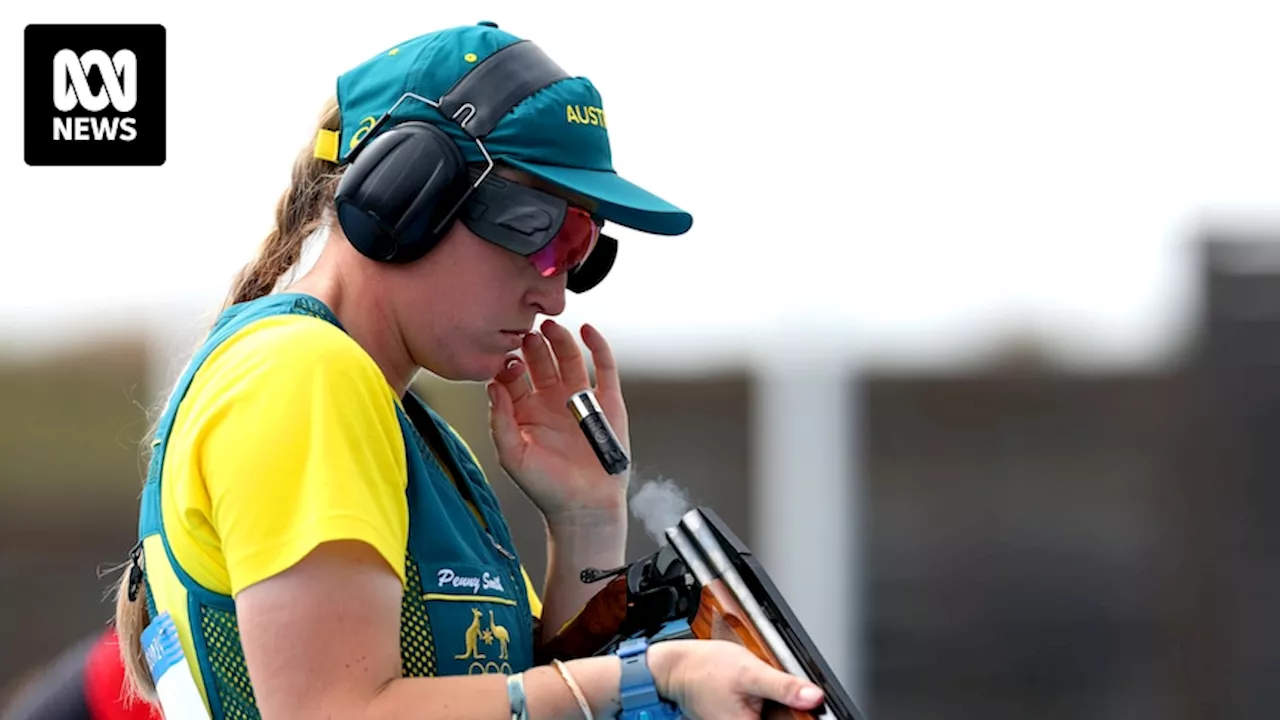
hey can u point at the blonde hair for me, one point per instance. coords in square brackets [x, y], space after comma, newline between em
[302, 210]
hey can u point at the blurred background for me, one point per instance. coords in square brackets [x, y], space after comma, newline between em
[975, 340]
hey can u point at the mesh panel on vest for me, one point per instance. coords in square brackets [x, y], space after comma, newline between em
[417, 650]
[230, 681]
[226, 659]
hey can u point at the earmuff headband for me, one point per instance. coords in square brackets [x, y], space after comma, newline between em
[501, 81]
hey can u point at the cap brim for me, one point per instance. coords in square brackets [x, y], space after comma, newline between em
[620, 201]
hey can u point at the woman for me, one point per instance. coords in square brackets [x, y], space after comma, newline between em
[325, 543]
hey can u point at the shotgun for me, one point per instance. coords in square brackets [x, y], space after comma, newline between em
[702, 583]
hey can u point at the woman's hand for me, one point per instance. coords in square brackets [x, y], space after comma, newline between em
[720, 680]
[538, 440]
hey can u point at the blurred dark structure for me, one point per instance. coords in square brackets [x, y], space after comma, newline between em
[1040, 543]
[1230, 468]
[1017, 545]
[1053, 545]
[70, 474]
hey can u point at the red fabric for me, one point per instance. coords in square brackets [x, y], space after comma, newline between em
[104, 684]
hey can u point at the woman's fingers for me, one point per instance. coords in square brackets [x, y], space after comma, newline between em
[607, 380]
[769, 683]
[552, 362]
[573, 368]
[542, 366]
[502, 421]
[514, 379]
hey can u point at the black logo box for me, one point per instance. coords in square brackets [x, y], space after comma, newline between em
[42, 43]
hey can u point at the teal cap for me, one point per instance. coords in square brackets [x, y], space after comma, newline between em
[558, 133]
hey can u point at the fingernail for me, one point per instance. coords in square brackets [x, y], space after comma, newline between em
[810, 693]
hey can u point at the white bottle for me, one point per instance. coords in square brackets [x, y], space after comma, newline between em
[180, 699]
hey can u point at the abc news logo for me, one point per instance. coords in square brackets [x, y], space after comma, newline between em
[95, 95]
[71, 89]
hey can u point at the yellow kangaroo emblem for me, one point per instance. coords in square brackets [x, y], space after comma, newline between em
[472, 636]
[499, 632]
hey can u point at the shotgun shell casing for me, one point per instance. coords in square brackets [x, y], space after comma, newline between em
[587, 411]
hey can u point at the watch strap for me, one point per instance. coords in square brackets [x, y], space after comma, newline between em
[638, 693]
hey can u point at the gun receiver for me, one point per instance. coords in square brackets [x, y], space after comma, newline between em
[704, 583]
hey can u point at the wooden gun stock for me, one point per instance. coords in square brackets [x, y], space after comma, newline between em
[720, 617]
[592, 628]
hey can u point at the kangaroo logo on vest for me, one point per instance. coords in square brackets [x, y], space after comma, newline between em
[485, 638]
[485, 662]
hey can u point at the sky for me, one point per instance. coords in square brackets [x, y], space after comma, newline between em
[908, 180]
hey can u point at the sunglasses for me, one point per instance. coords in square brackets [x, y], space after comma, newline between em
[555, 236]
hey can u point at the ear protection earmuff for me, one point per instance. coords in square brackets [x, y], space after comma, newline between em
[404, 186]
[393, 201]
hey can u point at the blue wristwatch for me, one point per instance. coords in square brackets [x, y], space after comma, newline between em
[640, 700]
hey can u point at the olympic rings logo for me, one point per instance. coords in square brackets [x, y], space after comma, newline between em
[488, 668]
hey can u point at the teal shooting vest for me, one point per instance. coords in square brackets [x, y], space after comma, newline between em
[465, 608]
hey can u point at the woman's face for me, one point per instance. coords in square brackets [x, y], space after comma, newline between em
[464, 308]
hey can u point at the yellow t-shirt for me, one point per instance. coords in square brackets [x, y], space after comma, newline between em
[287, 438]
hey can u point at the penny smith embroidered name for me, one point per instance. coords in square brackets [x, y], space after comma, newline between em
[448, 578]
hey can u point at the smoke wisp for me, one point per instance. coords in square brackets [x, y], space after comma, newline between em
[659, 504]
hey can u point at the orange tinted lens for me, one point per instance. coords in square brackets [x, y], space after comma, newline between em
[575, 241]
